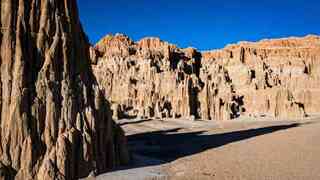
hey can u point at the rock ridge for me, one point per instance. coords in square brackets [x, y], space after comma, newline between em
[155, 79]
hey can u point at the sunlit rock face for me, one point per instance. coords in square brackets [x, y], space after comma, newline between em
[55, 122]
[277, 78]
[151, 78]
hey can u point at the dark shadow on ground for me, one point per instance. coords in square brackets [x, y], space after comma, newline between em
[133, 122]
[165, 146]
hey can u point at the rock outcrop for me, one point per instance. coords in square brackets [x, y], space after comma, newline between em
[55, 122]
[151, 78]
[277, 78]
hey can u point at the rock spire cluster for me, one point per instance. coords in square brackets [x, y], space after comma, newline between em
[154, 79]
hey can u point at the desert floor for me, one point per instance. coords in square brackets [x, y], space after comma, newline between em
[247, 148]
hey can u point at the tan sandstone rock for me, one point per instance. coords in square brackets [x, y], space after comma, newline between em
[149, 78]
[55, 122]
[278, 78]
[155, 79]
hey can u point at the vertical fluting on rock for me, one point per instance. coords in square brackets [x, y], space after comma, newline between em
[149, 78]
[271, 77]
[55, 122]
[154, 79]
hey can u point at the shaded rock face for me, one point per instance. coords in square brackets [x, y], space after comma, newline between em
[55, 122]
[152, 78]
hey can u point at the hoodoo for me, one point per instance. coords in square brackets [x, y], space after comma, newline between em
[55, 122]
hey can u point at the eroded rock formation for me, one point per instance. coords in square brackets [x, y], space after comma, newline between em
[55, 122]
[277, 78]
[151, 78]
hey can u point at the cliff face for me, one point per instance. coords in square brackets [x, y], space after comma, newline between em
[278, 78]
[152, 78]
[55, 123]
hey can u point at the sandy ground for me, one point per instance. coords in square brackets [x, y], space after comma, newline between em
[262, 149]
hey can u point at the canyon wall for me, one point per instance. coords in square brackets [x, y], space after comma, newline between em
[55, 122]
[154, 79]
[150, 78]
[276, 78]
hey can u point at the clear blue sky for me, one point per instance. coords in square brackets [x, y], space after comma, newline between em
[204, 24]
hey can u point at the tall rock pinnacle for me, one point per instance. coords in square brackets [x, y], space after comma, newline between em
[55, 123]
